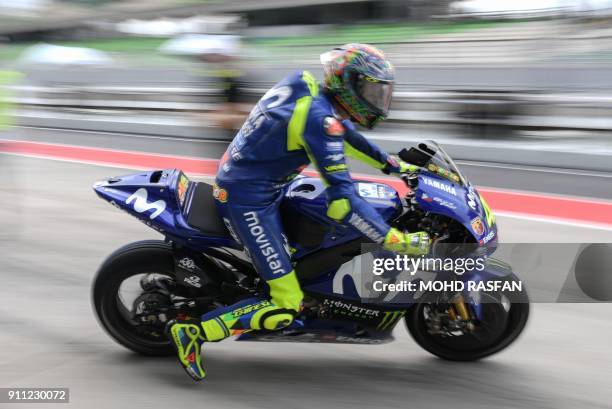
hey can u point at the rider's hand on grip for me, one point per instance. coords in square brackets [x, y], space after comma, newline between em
[405, 167]
[415, 244]
[398, 167]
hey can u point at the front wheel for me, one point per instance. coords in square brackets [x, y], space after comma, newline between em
[503, 318]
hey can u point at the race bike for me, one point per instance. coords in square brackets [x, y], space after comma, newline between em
[200, 266]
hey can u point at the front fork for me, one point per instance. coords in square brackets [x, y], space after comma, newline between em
[459, 309]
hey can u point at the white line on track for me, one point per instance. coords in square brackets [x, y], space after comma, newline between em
[553, 220]
[532, 194]
[534, 169]
[461, 162]
[79, 161]
[512, 215]
[131, 152]
[131, 135]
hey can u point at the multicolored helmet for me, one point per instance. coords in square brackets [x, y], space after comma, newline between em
[360, 79]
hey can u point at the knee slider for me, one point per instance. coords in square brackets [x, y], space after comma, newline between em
[272, 318]
[277, 319]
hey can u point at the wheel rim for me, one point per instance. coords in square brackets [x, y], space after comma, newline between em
[121, 300]
[497, 320]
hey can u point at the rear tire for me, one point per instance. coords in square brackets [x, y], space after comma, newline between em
[500, 328]
[149, 256]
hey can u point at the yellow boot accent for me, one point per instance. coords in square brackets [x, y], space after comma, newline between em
[215, 330]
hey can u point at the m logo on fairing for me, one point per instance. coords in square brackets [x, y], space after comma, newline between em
[141, 205]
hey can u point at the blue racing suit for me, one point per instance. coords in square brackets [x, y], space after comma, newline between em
[293, 125]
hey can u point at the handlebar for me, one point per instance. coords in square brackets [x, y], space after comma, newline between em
[411, 180]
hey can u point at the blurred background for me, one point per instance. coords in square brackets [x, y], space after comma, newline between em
[519, 92]
[510, 74]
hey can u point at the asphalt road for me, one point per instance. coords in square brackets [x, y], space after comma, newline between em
[56, 232]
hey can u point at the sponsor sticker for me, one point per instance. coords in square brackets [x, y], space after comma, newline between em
[365, 228]
[350, 310]
[250, 308]
[333, 127]
[219, 193]
[193, 281]
[334, 146]
[335, 157]
[426, 198]
[445, 173]
[264, 245]
[341, 167]
[445, 187]
[187, 263]
[471, 198]
[374, 191]
[445, 203]
[230, 229]
[487, 238]
[478, 226]
[181, 189]
[368, 190]
[141, 204]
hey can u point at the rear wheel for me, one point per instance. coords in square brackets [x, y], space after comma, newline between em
[503, 318]
[135, 318]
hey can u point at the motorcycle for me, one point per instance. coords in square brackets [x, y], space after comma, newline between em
[200, 265]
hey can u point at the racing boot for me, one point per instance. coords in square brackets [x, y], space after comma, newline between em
[187, 338]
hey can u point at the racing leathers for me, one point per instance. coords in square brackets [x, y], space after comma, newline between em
[293, 125]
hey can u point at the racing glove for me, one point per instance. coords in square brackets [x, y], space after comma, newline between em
[398, 167]
[414, 244]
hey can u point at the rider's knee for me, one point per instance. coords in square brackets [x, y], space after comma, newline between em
[285, 302]
[286, 292]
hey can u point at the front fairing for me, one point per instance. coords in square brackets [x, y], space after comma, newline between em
[442, 189]
[461, 203]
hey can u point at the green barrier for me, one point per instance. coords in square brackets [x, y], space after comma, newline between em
[6, 78]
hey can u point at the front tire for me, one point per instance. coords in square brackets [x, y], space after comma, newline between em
[498, 329]
[143, 257]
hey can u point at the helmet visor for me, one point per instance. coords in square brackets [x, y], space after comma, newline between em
[376, 93]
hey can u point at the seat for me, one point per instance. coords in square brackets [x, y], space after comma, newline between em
[203, 214]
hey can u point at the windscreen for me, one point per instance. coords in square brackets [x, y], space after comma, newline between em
[431, 156]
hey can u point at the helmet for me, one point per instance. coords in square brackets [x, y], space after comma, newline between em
[360, 79]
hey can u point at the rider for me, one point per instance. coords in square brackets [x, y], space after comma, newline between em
[295, 123]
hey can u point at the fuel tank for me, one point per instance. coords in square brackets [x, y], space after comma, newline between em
[305, 206]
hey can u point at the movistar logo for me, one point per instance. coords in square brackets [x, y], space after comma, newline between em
[265, 247]
[141, 205]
